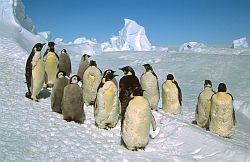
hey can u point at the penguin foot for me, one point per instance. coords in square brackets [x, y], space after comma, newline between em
[28, 95]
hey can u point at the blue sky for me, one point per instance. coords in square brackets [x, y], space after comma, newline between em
[165, 21]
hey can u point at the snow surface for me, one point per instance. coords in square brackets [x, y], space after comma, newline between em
[30, 131]
[240, 43]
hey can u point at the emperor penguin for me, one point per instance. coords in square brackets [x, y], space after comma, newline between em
[171, 96]
[91, 79]
[203, 105]
[72, 102]
[137, 122]
[84, 64]
[107, 104]
[222, 116]
[126, 85]
[51, 60]
[65, 62]
[57, 91]
[35, 72]
[149, 83]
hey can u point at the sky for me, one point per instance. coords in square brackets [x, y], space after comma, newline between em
[165, 21]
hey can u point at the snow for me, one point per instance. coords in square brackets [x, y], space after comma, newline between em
[240, 43]
[30, 131]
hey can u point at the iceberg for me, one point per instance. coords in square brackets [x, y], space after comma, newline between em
[192, 46]
[132, 37]
[240, 43]
[15, 24]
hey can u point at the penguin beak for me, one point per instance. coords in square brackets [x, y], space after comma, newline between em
[115, 75]
[43, 44]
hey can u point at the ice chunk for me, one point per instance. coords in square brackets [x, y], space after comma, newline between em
[132, 37]
[192, 46]
[240, 43]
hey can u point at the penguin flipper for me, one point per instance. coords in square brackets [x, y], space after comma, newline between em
[179, 92]
[234, 120]
[153, 122]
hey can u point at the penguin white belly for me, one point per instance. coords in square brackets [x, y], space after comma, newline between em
[221, 122]
[108, 106]
[203, 108]
[51, 68]
[149, 84]
[38, 76]
[136, 125]
[170, 101]
[91, 80]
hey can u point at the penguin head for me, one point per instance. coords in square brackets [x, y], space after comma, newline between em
[127, 70]
[64, 51]
[207, 83]
[92, 63]
[170, 77]
[148, 67]
[137, 91]
[109, 75]
[38, 47]
[51, 46]
[74, 79]
[60, 74]
[85, 57]
[222, 87]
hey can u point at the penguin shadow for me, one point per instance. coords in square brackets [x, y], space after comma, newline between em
[45, 93]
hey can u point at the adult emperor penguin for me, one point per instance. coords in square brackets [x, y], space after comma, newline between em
[107, 104]
[57, 92]
[203, 105]
[171, 96]
[222, 115]
[72, 102]
[35, 72]
[149, 83]
[64, 62]
[84, 64]
[51, 60]
[137, 121]
[91, 79]
[126, 85]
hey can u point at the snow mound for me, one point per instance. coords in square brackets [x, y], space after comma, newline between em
[240, 43]
[192, 46]
[132, 37]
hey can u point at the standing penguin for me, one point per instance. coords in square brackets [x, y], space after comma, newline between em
[72, 102]
[57, 91]
[64, 62]
[171, 96]
[222, 115]
[91, 79]
[107, 104]
[137, 121]
[126, 85]
[203, 105]
[149, 83]
[51, 60]
[34, 72]
[84, 64]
